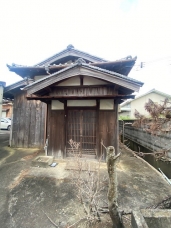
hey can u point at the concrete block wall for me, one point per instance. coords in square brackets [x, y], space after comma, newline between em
[147, 140]
[151, 218]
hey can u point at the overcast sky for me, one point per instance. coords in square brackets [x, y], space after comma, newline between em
[33, 30]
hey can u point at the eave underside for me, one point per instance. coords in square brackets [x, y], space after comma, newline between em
[62, 98]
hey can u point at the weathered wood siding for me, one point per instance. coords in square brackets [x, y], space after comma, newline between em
[28, 122]
[108, 131]
[84, 91]
[56, 132]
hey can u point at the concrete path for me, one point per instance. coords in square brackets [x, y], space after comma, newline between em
[140, 185]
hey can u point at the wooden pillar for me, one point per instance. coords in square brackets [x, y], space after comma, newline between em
[48, 119]
[65, 127]
[98, 145]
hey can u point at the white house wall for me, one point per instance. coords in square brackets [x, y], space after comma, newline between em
[124, 114]
[139, 103]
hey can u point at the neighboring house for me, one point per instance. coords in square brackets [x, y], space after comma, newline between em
[71, 95]
[125, 109]
[7, 109]
[129, 106]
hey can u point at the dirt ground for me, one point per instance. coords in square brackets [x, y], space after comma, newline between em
[33, 197]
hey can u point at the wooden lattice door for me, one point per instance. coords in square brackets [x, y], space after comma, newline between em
[81, 128]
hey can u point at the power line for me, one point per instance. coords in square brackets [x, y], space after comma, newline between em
[154, 61]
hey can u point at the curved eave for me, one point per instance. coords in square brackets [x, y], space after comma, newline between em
[120, 66]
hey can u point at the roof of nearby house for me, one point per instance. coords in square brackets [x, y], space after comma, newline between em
[154, 91]
[149, 92]
[126, 102]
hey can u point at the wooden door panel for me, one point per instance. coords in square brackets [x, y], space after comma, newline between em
[81, 128]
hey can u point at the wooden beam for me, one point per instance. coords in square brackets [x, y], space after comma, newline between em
[34, 97]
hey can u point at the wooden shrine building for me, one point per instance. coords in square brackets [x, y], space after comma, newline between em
[71, 95]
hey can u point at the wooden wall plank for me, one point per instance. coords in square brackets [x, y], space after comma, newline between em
[28, 122]
[32, 125]
[48, 126]
[108, 130]
[56, 133]
[38, 122]
[83, 91]
[43, 116]
[15, 128]
[21, 121]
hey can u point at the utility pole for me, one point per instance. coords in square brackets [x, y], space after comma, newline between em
[2, 85]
